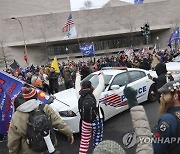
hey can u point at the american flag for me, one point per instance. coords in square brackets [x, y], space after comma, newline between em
[68, 24]
[113, 100]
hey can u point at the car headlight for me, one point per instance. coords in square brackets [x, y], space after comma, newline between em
[68, 113]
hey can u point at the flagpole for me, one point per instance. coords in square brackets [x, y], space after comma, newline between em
[79, 47]
[42, 90]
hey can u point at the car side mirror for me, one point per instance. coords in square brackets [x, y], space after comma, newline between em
[115, 87]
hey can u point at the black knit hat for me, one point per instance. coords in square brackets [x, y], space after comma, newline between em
[86, 84]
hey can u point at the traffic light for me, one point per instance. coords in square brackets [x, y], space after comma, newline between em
[145, 30]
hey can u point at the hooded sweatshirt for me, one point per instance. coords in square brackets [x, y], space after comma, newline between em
[18, 126]
[161, 72]
[97, 92]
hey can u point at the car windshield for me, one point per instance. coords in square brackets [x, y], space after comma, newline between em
[176, 59]
[94, 79]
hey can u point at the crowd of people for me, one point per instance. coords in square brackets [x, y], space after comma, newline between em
[71, 74]
[46, 78]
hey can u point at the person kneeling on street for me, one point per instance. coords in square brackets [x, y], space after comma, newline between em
[31, 128]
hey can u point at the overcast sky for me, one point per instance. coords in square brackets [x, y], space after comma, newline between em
[78, 4]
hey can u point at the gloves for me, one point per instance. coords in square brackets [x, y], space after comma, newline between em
[131, 94]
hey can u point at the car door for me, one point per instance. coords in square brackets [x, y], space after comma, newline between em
[139, 81]
[113, 97]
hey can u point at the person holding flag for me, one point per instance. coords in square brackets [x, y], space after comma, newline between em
[53, 81]
[10, 87]
[89, 103]
[22, 139]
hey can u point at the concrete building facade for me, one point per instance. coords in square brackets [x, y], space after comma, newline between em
[109, 27]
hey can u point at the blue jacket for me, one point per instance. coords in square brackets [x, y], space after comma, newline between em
[167, 128]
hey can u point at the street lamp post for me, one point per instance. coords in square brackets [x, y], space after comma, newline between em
[25, 47]
[157, 38]
[67, 51]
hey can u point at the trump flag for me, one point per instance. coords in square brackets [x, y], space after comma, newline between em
[9, 88]
[87, 49]
[174, 36]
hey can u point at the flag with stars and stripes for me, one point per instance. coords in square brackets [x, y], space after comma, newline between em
[68, 23]
[113, 100]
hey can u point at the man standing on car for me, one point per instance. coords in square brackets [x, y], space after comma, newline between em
[97, 125]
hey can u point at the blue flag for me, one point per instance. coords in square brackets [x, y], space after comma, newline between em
[16, 67]
[9, 88]
[138, 1]
[87, 49]
[174, 36]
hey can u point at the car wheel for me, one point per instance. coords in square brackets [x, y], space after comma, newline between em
[153, 94]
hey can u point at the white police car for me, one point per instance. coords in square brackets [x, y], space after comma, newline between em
[112, 100]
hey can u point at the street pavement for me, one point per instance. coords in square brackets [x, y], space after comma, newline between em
[114, 129]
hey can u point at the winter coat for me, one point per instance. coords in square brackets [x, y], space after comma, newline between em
[142, 129]
[18, 126]
[97, 91]
[67, 75]
[53, 80]
[161, 71]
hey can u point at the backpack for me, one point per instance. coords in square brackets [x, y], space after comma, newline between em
[39, 125]
[87, 108]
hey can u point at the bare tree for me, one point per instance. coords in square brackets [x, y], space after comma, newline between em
[45, 55]
[131, 27]
[88, 4]
[175, 23]
[5, 57]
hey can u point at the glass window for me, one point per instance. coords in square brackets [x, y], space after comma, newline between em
[135, 75]
[143, 74]
[121, 79]
[95, 80]
[103, 44]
